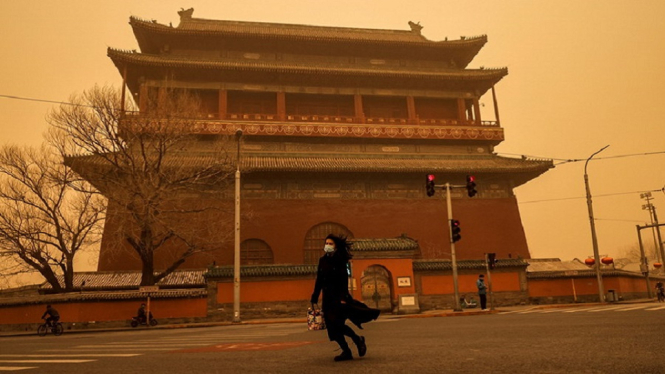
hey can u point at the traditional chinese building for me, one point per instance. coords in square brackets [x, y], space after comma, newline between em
[340, 127]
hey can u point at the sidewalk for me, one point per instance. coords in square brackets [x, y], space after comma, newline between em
[303, 320]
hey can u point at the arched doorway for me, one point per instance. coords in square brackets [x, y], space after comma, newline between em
[313, 248]
[376, 291]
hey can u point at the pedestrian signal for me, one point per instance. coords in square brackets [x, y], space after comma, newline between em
[471, 185]
[430, 185]
[455, 230]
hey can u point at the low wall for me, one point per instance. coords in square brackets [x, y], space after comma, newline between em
[561, 289]
[101, 308]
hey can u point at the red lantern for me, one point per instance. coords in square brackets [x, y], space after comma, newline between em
[589, 261]
[607, 260]
[657, 265]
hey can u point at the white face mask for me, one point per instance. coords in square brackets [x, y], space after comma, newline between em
[329, 248]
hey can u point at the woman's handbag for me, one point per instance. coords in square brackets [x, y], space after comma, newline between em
[315, 318]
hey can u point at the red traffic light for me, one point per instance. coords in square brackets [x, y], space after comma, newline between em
[429, 185]
[471, 185]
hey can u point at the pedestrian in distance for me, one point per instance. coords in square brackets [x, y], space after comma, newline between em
[482, 291]
[332, 278]
[53, 314]
[660, 291]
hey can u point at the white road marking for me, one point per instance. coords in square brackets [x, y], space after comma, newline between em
[555, 310]
[16, 368]
[46, 361]
[151, 345]
[632, 308]
[605, 309]
[580, 310]
[656, 308]
[515, 311]
[133, 349]
[77, 355]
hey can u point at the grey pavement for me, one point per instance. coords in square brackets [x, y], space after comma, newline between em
[425, 314]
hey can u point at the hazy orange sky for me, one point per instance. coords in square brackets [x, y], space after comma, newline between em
[582, 75]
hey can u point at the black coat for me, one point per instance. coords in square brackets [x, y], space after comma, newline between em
[338, 305]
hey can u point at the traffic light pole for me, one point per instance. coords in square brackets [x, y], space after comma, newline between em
[644, 266]
[449, 205]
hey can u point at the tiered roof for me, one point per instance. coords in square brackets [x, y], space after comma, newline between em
[206, 33]
[522, 170]
[167, 51]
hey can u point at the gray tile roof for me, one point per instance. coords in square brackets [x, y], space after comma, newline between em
[354, 163]
[200, 26]
[445, 265]
[388, 244]
[121, 57]
[261, 271]
[102, 295]
[106, 280]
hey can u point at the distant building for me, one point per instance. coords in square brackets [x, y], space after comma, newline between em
[340, 128]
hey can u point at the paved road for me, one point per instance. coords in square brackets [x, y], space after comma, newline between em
[577, 339]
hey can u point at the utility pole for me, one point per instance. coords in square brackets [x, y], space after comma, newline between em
[594, 240]
[660, 255]
[449, 205]
[470, 186]
[236, 251]
[644, 266]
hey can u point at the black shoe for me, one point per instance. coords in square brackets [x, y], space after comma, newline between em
[362, 348]
[345, 356]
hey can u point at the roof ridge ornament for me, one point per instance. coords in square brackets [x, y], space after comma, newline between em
[415, 27]
[185, 14]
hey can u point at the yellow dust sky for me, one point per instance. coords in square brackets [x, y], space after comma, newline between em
[582, 75]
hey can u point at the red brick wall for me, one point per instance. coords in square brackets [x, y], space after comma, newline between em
[263, 291]
[553, 287]
[443, 284]
[488, 225]
[104, 310]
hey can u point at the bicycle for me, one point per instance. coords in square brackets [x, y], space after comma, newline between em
[55, 328]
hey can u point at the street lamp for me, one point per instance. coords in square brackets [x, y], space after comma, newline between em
[236, 252]
[593, 227]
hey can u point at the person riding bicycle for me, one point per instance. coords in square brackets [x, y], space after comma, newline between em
[53, 314]
[141, 313]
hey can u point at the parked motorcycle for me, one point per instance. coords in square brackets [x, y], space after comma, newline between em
[142, 321]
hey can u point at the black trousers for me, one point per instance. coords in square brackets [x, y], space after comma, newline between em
[483, 301]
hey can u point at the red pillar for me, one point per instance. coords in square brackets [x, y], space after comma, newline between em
[223, 103]
[281, 106]
[358, 106]
[411, 109]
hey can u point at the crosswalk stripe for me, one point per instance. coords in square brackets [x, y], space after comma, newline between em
[76, 355]
[133, 349]
[151, 345]
[656, 308]
[633, 308]
[557, 310]
[605, 309]
[16, 368]
[580, 310]
[46, 361]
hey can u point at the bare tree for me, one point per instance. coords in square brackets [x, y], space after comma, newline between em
[47, 214]
[150, 167]
[633, 252]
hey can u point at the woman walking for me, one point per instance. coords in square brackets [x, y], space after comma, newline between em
[332, 278]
